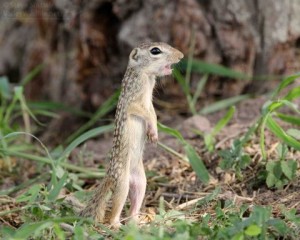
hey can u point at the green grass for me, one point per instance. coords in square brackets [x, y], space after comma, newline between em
[40, 212]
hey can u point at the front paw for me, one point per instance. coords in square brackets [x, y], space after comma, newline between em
[152, 134]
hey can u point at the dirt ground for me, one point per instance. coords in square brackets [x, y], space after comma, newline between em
[175, 180]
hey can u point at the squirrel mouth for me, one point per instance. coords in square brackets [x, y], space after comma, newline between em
[167, 70]
[168, 67]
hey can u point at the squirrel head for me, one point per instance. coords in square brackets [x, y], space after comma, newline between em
[154, 58]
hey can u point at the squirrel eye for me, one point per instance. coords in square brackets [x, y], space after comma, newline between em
[155, 51]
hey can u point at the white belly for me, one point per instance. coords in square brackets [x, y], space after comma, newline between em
[137, 132]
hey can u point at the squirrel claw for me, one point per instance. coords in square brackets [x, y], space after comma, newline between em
[152, 134]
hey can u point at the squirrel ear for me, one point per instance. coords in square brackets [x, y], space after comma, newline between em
[134, 54]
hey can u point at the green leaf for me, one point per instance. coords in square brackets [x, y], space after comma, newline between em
[32, 74]
[171, 131]
[30, 195]
[279, 225]
[34, 228]
[57, 188]
[56, 106]
[89, 134]
[271, 180]
[78, 233]
[292, 94]
[223, 104]
[210, 68]
[31, 229]
[289, 118]
[261, 214]
[209, 142]
[285, 82]
[106, 107]
[253, 230]
[291, 105]
[277, 171]
[199, 89]
[270, 166]
[197, 164]
[280, 183]
[281, 134]
[59, 232]
[180, 79]
[294, 133]
[4, 88]
[223, 121]
[289, 168]
[245, 161]
[262, 136]
[282, 150]
[238, 236]
[270, 106]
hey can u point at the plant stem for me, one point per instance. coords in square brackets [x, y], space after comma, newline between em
[99, 173]
[170, 150]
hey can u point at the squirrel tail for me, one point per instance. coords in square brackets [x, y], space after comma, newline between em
[96, 206]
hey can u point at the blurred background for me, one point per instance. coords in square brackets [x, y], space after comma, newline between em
[76, 51]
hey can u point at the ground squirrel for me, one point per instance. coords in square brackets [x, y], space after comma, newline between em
[135, 120]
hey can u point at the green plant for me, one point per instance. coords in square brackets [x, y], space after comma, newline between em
[209, 138]
[281, 172]
[271, 109]
[192, 156]
[106, 107]
[235, 158]
[192, 65]
[8, 112]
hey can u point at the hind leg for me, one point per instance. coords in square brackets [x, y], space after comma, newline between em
[137, 189]
[119, 196]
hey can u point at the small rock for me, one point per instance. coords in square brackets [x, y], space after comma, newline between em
[198, 123]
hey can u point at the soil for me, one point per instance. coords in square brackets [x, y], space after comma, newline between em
[174, 179]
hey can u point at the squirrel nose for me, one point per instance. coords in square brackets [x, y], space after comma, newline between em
[180, 55]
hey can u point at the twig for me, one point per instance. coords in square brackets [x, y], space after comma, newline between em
[188, 203]
[181, 157]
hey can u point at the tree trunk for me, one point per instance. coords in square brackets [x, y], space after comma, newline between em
[84, 45]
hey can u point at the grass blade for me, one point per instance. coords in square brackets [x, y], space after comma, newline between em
[197, 163]
[90, 134]
[4, 88]
[57, 188]
[171, 131]
[32, 74]
[68, 166]
[180, 79]
[55, 106]
[262, 137]
[193, 157]
[289, 118]
[199, 89]
[285, 82]
[211, 68]
[223, 104]
[223, 121]
[34, 228]
[106, 107]
[281, 134]
[294, 93]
